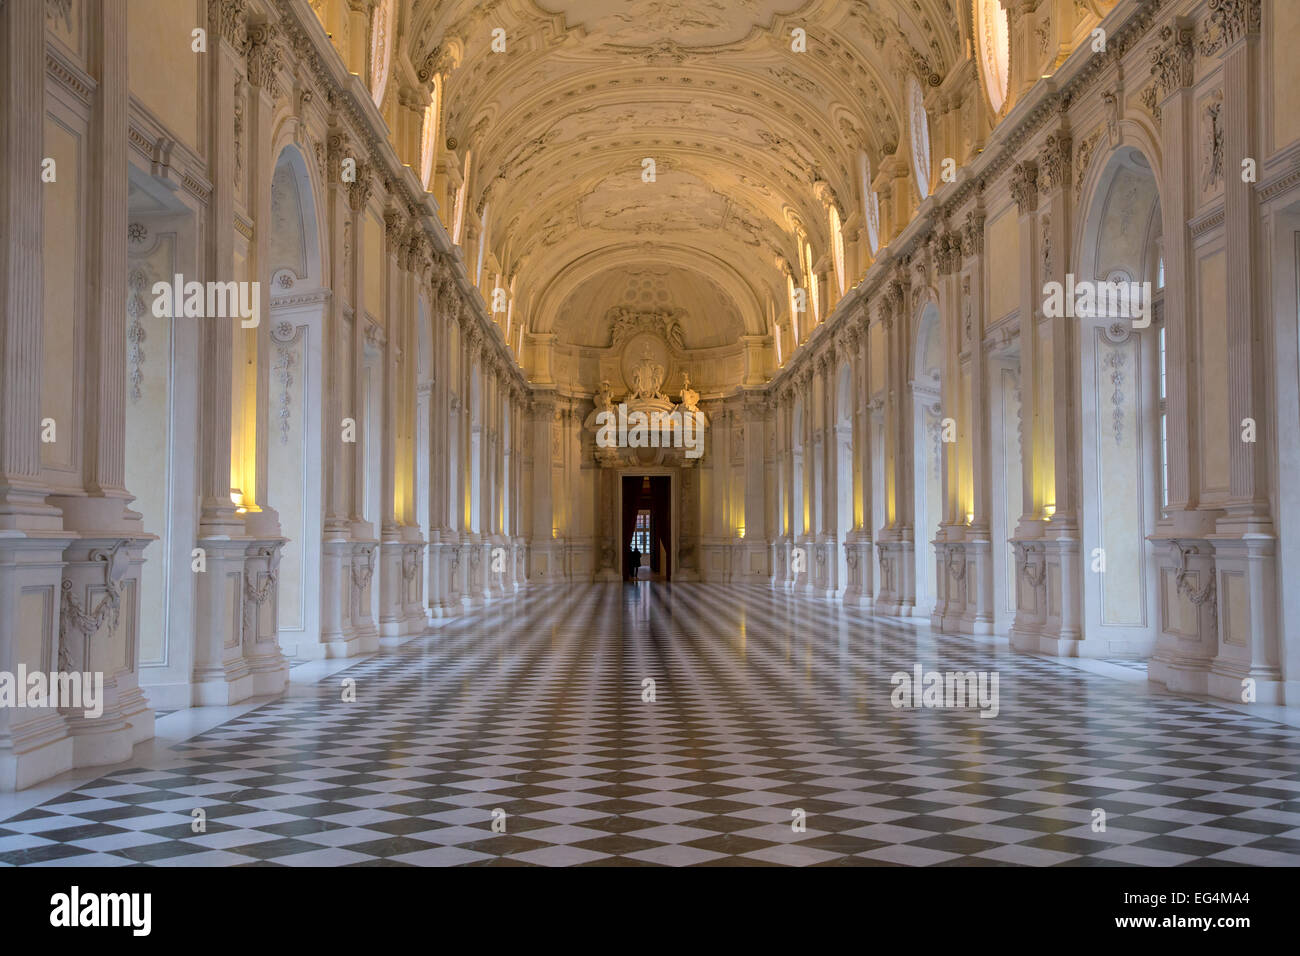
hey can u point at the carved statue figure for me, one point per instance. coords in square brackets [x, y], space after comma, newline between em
[605, 397]
[689, 396]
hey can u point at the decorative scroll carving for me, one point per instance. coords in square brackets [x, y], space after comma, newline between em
[136, 307]
[1034, 573]
[1212, 132]
[265, 51]
[1054, 162]
[625, 323]
[1173, 61]
[58, 10]
[972, 234]
[88, 623]
[255, 595]
[1082, 158]
[410, 562]
[1024, 186]
[956, 562]
[284, 335]
[1116, 361]
[1201, 596]
[227, 19]
[1228, 22]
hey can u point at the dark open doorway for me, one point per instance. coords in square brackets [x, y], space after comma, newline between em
[647, 525]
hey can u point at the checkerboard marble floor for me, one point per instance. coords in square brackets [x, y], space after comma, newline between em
[764, 704]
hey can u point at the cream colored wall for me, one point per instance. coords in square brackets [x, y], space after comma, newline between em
[1003, 244]
[1216, 430]
[64, 262]
[162, 67]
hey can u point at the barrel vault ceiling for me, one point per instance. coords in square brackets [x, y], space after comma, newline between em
[751, 141]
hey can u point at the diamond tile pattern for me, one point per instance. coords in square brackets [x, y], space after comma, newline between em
[764, 704]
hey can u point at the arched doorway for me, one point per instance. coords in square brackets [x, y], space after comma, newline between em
[161, 418]
[844, 451]
[927, 422]
[1122, 460]
[293, 413]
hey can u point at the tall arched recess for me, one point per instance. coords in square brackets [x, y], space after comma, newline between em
[844, 493]
[294, 464]
[927, 496]
[1121, 412]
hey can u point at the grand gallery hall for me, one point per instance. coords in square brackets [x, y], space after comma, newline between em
[649, 432]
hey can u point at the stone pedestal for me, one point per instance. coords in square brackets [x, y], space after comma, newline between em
[98, 637]
[857, 552]
[1188, 641]
[261, 642]
[897, 597]
[977, 617]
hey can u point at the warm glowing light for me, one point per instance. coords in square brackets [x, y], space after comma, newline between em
[1049, 509]
[993, 38]
[970, 517]
[740, 532]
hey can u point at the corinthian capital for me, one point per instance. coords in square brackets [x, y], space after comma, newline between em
[228, 20]
[1024, 186]
[1054, 162]
[264, 54]
[1173, 60]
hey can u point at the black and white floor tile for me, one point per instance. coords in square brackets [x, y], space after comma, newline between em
[764, 705]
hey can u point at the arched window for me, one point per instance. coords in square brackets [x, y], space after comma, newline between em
[920, 126]
[993, 40]
[870, 204]
[813, 304]
[837, 249]
[458, 220]
[381, 49]
[429, 137]
[794, 311]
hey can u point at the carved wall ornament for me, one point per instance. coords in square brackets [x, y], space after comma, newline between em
[967, 310]
[410, 562]
[228, 18]
[136, 307]
[1228, 22]
[239, 132]
[972, 234]
[1173, 61]
[1033, 572]
[1116, 360]
[1045, 240]
[1212, 142]
[362, 573]
[258, 588]
[956, 562]
[116, 560]
[1054, 162]
[284, 334]
[264, 54]
[59, 10]
[1201, 596]
[625, 323]
[1150, 97]
[1024, 186]
[1082, 159]
[1112, 102]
